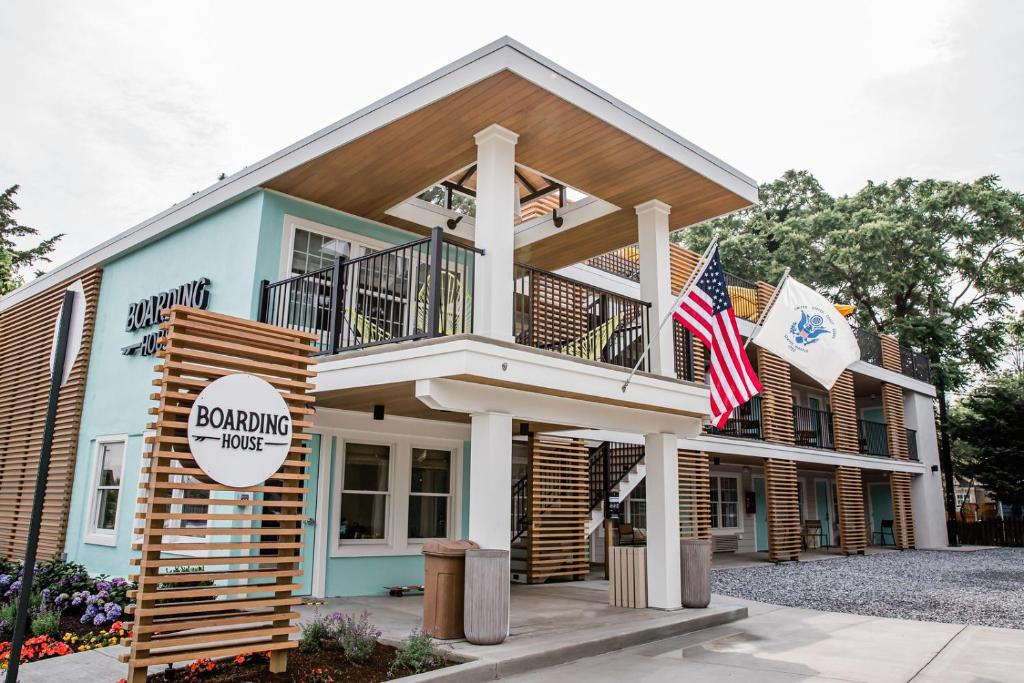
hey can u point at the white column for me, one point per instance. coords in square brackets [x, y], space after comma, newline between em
[656, 280]
[926, 489]
[490, 480]
[664, 575]
[496, 200]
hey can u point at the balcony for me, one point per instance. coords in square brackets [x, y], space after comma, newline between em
[424, 289]
[813, 428]
[745, 422]
[912, 445]
[617, 263]
[870, 346]
[915, 364]
[744, 297]
[873, 438]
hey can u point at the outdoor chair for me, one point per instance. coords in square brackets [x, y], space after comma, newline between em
[887, 528]
[628, 535]
[591, 345]
[812, 531]
[456, 308]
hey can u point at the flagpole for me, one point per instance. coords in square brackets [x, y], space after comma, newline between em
[768, 307]
[696, 270]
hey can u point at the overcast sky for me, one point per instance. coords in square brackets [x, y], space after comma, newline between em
[113, 111]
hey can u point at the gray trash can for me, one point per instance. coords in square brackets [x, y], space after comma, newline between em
[487, 593]
[695, 557]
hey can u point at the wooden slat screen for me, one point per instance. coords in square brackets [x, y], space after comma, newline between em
[694, 495]
[558, 310]
[852, 530]
[783, 511]
[891, 354]
[896, 433]
[775, 376]
[250, 602]
[26, 335]
[681, 264]
[844, 414]
[559, 508]
[902, 510]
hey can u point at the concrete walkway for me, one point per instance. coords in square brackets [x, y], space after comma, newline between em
[791, 644]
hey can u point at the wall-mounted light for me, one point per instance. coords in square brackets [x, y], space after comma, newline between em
[935, 468]
[378, 412]
[716, 460]
[524, 428]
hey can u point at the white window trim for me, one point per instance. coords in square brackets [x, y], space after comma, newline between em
[396, 542]
[288, 241]
[730, 530]
[91, 534]
[453, 456]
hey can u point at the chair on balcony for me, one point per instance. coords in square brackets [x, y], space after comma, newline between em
[592, 344]
[456, 309]
[368, 332]
[886, 528]
[629, 535]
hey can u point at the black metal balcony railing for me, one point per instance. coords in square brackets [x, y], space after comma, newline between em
[813, 428]
[870, 346]
[412, 291]
[915, 364]
[520, 508]
[873, 438]
[560, 314]
[912, 444]
[682, 341]
[745, 422]
[743, 294]
[616, 263]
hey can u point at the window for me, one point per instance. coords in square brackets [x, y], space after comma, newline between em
[725, 496]
[365, 494]
[313, 251]
[430, 493]
[638, 506]
[106, 492]
[188, 494]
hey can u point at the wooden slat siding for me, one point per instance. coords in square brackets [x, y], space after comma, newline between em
[681, 264]
[892, 408]
[852, 529]
[783, 510]
[558, 311]
[694, 495]
[902, 510]
[265, 561]
[891, 354]
[558, 503]
[844, 414]
[26, 335]
[776, 379]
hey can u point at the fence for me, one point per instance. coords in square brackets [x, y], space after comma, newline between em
[1002, 532]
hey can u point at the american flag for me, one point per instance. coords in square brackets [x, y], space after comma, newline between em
[706, 310]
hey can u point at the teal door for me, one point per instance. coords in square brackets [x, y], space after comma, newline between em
[309, 530]
[824, 510]
[760, 515]
[881, 508]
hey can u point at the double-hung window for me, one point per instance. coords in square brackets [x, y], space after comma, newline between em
[365, 493]
[430, 493]
[638, 506]
[725, 497]
[106, 491]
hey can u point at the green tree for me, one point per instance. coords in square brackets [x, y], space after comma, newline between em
[937, 264]
[12, 259]
[988, 437]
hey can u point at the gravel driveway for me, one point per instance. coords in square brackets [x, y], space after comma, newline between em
[984, 587]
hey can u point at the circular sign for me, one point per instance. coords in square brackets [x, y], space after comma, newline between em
[239, 430]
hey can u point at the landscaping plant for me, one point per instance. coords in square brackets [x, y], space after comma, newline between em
[356, 636]
[316, 633]
[417, 653]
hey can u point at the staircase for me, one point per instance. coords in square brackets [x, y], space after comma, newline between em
[555, 544]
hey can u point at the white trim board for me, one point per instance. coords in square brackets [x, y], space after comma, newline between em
[503, 54]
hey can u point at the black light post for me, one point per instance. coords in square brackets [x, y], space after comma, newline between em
[56, 379]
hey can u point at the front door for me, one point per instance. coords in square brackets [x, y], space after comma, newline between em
[309, 525]
[880, 496]
[824, 508]
[760, 515]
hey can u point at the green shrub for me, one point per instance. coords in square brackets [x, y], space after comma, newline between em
[357, 637]
[8, 613]
[417, 653]
[46, 623]
[316, 633]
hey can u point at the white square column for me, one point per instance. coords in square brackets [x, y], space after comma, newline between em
[656, 281]
[490, 480]
[664, 574]
[496, 199]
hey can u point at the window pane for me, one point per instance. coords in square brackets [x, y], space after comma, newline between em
[366, 467]
[428, 516]
[362, 515]
[714, 488]
[111, 462]
[638, 513]
[728, 490]
[728, 515]
[714, 515]
[106, 509]
[430, 470]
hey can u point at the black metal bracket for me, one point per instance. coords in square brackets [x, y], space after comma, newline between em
[556, 219]
[453, 222]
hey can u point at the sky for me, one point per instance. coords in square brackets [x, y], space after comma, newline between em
[112, 111]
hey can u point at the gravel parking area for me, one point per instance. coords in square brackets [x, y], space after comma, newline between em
[985, 587]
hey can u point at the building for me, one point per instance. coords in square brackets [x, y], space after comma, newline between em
[482, 254]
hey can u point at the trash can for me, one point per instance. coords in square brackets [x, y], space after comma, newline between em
[487, 594]
[443, 587]
[695, 557]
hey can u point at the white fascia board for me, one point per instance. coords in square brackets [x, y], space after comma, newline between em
[429, 215]
[573, 216]
[467, 397]
[332, 418]
[595, 277]
[503, 54]
[507, 364]
[897, 378]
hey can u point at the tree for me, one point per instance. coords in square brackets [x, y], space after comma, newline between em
[988, 437]
[937, 264]
[12, 259]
